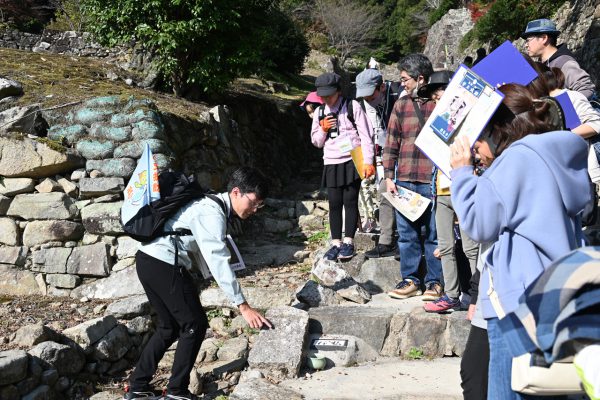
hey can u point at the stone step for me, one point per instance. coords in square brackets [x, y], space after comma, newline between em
[394, 327]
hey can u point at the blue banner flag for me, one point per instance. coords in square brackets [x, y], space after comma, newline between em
[142, 188]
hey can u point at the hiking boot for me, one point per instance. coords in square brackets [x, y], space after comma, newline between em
[141, 394]
[433, 291]
[332, 253]
[181, 396]
[405, 289]
[382, 250]
[346, 251]
[443, 304]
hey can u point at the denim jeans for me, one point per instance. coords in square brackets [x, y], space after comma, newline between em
[409, 243]
[499, 371]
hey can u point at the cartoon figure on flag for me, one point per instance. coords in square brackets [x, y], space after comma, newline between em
[142, 188]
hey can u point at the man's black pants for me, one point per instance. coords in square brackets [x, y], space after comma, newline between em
[174, 297]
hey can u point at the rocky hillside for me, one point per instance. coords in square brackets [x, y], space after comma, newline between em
[578, 20]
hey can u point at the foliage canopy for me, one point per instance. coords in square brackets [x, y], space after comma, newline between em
[202, 43]
[506, 19]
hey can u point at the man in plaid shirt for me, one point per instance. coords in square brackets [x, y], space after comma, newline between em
[406, 166]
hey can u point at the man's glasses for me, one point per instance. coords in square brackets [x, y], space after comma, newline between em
[404, 80]
[530, 38]
[254, 203]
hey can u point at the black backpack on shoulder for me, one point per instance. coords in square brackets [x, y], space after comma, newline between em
[176, 190]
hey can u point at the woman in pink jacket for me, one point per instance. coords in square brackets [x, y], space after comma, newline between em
[334, 130]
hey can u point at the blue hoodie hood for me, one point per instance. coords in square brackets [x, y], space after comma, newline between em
[528, 203]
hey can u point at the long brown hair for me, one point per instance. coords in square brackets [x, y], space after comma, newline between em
[519, 115]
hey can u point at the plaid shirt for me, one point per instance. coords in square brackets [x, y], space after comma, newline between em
[559, 309]
[403, 128]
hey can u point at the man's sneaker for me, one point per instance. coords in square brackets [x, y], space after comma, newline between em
[181, 396]
[443, 304]
[382, 250]
[433, 291]
[332, 253]
[405, 289]
[346, 251]
[145, 394]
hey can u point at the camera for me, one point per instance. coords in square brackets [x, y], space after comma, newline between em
[333, 132]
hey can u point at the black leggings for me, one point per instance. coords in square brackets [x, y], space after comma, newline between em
[345, 197]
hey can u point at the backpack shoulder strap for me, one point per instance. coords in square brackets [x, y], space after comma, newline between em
[350, 112]
[216, 199]
[419, 113]
[321, 112]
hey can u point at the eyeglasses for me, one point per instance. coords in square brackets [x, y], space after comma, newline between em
[404, 80]
[254, 203]
[530, 38]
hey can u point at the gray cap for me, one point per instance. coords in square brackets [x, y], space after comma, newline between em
[367, 81]
[538, 26]
[327, 84]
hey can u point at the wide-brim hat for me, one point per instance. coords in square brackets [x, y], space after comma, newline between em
[327, 84]
[538, 26]
[313, 98]
[436, 81]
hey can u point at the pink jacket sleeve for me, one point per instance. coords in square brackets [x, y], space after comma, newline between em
[317, 136]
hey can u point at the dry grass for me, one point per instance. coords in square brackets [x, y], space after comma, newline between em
[51, 79]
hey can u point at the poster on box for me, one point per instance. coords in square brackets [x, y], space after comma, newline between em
[465, 108]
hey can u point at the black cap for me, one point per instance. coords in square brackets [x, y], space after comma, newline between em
[436, 80]
[327, 84]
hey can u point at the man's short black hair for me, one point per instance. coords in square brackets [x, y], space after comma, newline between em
[249, 180]
[416, 65]
[553, 39]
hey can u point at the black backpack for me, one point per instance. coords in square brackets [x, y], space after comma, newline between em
[176, 190]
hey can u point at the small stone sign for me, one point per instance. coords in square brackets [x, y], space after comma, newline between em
[329, 344]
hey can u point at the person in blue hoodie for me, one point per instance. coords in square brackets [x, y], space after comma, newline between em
[528, 202]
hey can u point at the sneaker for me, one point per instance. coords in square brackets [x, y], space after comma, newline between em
[405, 289]
[332, 253]
[181, 396]
[144, 394]
[433, 291]
[443, 304]
[346, 251]
[382, 250]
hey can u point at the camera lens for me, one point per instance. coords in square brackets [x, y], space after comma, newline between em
[333, 132]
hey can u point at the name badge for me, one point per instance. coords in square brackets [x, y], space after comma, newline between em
[344, 144]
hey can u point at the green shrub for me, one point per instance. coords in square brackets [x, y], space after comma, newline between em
[69, 16]
[507, 19]
[202, 44]
[445, 6]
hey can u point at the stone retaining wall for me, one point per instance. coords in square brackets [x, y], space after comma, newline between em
[54, 365]
[70, 42]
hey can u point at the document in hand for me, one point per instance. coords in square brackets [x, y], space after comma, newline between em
[410, 204]
[357, 157]
[465, 108]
